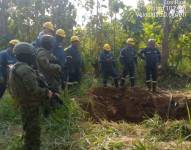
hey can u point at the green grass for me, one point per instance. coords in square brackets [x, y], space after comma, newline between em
[70, 128]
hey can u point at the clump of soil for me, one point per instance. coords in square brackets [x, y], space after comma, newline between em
[136, 104]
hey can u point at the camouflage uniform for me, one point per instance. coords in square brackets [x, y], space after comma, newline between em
[24, 87]
[46, 63]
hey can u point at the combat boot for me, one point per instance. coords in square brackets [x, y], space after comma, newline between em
[148, 83]
[154, 87]
[122, 82]
[116, 83]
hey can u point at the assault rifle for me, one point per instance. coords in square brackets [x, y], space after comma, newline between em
[55, 100]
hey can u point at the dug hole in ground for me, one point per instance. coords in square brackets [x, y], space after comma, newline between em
[136, 104]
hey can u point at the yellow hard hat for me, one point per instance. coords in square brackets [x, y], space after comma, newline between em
[107, 47]
[130, 41]
[48, 25]
[75, 38]
[14, 42]
[60, 32]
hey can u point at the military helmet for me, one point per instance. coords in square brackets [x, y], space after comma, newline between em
[23, 48]
[47, 42]
[24, 52]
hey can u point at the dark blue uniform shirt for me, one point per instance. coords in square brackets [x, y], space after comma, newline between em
[128, 56]
[106, 60]
[151, 56]
[6, 58]
[58, 51]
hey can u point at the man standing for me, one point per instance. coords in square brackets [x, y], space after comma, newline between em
[152, 58]
[107, 64]
[7, 59]
[73, 61]
[48, 28]
[25, 89]
[58, 51]
[47, 63]
[128, 59]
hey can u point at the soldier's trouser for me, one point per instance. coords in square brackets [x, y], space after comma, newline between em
[128, 70]
[110, 73]
[31, 127]
[2, 89]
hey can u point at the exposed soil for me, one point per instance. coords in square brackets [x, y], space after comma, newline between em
[136, 104]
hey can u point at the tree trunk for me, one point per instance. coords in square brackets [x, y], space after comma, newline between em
[4, 19]
[114, 36]
[165, 42]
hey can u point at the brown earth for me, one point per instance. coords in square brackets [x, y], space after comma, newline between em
[136, 104]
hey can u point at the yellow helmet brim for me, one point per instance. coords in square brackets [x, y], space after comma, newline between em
[14, 42]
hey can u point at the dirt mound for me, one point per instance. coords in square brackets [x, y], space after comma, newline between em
[136, 104]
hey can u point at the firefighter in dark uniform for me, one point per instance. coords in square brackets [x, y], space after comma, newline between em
[7, 59]
[107, 65]
[58, 50]
[47, 63]
[152, 58]
[74, 62]
[128, 59]
[48, 28]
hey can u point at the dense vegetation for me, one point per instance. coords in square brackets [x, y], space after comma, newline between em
[71, 128]
[107, 21]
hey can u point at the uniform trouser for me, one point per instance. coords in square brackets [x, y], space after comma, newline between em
[129, 70]
[31, 127]
[76, 76]
[151, 73]
[109, 73]
[2, 89]
[72, 75]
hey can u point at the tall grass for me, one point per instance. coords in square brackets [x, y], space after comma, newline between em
[68, 128]
[189, 113]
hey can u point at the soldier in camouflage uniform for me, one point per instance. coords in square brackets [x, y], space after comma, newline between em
[47, 63]
[24, 88]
